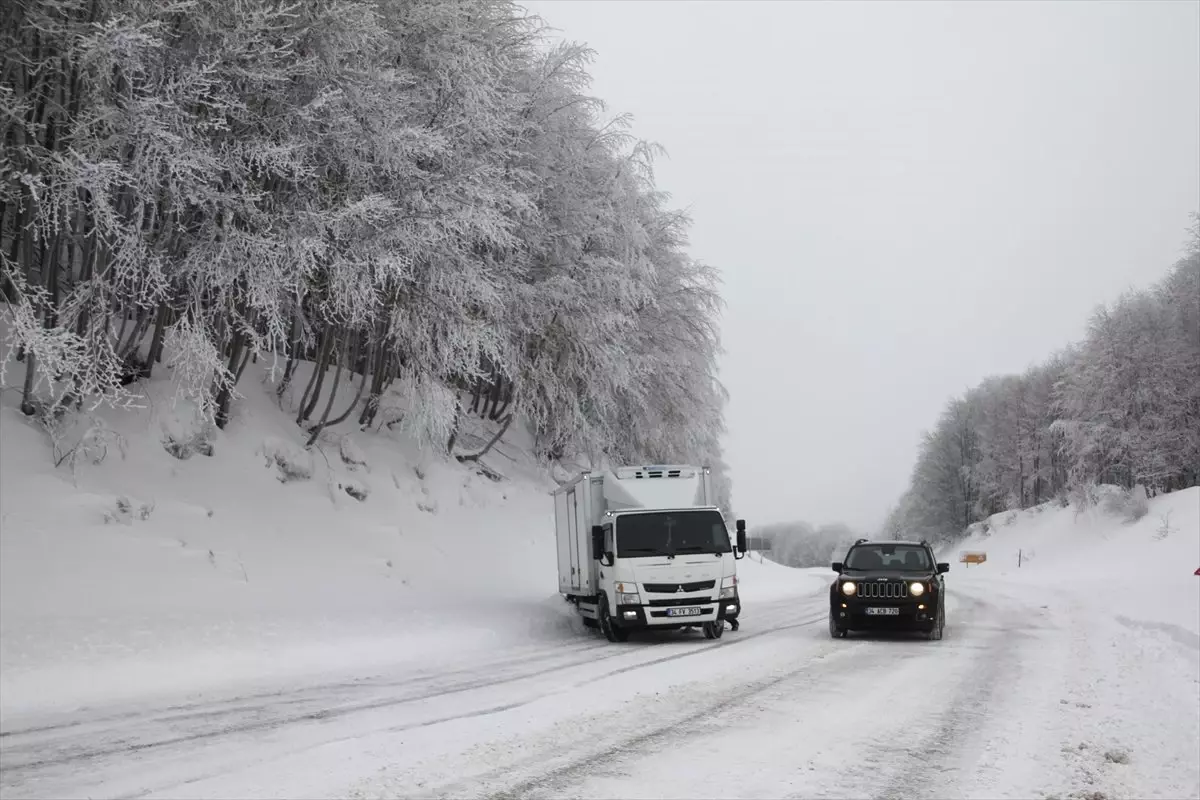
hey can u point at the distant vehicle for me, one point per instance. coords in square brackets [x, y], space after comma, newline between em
[888, 585]
[646, 547]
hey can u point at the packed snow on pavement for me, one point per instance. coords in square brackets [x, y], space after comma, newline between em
[204, 628]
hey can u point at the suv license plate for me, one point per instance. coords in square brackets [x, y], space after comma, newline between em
[883, 612]
[693, 611]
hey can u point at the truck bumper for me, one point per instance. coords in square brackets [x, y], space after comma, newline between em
[637, 617]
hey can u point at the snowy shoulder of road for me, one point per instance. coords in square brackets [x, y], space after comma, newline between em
[128, 574]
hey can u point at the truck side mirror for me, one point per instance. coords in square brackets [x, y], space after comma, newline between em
[597, 542]
[741, 541]
[741, 525]
[837, 567]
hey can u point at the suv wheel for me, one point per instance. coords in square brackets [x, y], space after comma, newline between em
[835, 630]
[939, 625]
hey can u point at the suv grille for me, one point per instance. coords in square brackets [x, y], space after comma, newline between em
[891, 590]
[672, 588]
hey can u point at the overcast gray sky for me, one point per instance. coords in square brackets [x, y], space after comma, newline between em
[903, 198]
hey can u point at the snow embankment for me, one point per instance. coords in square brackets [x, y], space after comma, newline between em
[1134, 559]
[159, 561]
[764, 581]
[251, 559]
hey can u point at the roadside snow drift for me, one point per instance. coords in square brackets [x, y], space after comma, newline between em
[129, 571]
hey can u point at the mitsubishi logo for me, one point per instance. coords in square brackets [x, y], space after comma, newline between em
[680, 589]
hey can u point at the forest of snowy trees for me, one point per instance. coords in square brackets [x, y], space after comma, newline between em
[1122, 407]
[801, 544]
[418, 192]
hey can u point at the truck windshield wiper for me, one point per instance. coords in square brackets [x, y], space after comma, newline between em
[643, 550]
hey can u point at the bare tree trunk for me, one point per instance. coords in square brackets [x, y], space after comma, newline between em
[476, 456]
[337, 376]
[382, 378]
[156, 341]
[293, 355]
[362, 384]
[454, 426]
[507, 401]
[322, 368]
[225, 396]
[312, 379]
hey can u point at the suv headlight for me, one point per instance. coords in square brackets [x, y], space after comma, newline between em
[728, 588]
[849, 588]
[916, 589]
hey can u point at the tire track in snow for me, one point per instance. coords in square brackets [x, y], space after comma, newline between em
[30, 754]
[547, 771]
[582, 760]
[931, 767]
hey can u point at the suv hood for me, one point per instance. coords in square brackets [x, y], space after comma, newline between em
[878, 575]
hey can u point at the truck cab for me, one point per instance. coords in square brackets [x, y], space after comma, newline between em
[646, 548]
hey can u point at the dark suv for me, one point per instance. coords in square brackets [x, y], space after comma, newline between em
[888, 585]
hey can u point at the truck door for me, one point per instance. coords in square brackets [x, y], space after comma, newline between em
[577, 563]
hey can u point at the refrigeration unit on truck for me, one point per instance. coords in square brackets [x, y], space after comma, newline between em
[646, 547]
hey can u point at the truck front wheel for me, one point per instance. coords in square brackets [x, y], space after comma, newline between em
[612, 631]
[713, 630]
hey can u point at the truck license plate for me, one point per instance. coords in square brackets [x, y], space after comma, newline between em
[692, 611]
[883, 612]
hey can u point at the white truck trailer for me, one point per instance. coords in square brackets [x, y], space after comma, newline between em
[646, 547]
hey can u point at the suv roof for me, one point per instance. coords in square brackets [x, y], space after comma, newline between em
[890, 541]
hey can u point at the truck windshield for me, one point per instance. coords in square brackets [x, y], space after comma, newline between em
[671, 533]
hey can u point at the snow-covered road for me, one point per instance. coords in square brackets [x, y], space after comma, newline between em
[1023, 698]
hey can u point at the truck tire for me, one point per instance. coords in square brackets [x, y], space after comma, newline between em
[713, 630]
[612, 631]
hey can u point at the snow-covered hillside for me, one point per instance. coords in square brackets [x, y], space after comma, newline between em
[148, 574]
[1138, 559]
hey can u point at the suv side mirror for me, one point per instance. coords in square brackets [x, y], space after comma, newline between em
[943, 566]
[837, 567]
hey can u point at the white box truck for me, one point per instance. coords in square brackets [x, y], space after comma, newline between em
[646, 547]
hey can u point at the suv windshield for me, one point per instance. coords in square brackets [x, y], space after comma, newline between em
[666, 534]
[888, 556]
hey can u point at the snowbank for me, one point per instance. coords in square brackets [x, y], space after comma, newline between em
[1142, 570]
[765, 581]
[160, 560]
[187, 559]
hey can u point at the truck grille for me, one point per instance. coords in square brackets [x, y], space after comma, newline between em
[891, 590]
[672, 588]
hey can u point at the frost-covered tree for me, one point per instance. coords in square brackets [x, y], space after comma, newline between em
[1120, 407]
[418, 194]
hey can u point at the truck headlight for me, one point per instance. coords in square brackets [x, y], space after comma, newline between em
[917, 589]
[627, 594]
[728, 592]
[848, 588]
